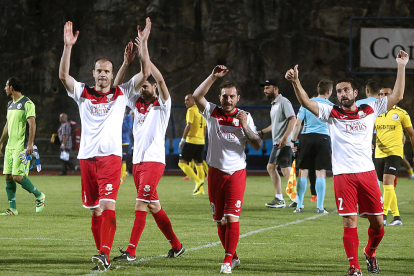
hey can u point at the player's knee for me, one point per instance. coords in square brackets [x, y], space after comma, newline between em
[17, 178]
[8, 177]
[270, 168]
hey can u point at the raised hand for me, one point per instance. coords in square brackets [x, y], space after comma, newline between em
[129, 55]
[402, 58]
[292, 75]
[68, 36]
[219, 71]
[144, 34]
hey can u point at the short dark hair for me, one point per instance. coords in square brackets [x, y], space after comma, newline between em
[151, 80]
[348, 80]
[324, 86]
[16, 83]
[373, 86]
[103, 58]
[229, 84]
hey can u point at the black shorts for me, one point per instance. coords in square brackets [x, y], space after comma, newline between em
[388, 165]
[125, 149]
[281, 157]
[192, 151]
[314, 151]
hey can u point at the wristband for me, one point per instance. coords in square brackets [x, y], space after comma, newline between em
[182, 139]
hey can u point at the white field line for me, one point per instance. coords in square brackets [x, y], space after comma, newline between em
[146, 259]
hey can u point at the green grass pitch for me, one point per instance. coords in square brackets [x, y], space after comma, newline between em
[59, 241]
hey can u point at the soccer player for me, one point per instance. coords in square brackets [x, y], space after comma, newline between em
[192, 144]
[229, 128]
[283, 119]
[151, 115]
[389, 152]
[355, 181]
[101, 110]
[20, 111]
[314, 149]
[65, 138]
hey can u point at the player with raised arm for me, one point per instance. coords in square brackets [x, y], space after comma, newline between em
[151, 115]
[355, 180]
[101, 110]
[229, 128]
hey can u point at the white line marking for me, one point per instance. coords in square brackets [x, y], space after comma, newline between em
[217, 243]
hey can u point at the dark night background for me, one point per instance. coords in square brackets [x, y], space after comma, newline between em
[255, 39]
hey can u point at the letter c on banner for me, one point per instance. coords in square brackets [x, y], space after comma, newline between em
[373, 47]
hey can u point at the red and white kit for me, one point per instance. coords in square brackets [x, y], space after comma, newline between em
[226, 154]
[351, 135]
[101, 116]
[150, 125]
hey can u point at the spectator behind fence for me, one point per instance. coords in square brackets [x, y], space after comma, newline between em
[65, 138]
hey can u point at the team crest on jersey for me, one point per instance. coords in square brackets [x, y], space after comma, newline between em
[235, 122]
[362, 114]
[395, 117]
[147, 188]
[108, 187]
[109, 98]
[213, 208]
[19, 106]
[238, 204]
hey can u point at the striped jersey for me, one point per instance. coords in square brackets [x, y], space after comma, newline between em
[101, 117]
[226, 139]
[351, 135]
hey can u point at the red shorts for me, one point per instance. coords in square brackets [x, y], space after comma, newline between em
[100, 179]
[358, 188]
[226, 192]
[146, 178]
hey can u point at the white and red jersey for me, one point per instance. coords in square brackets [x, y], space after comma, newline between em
[226, 139]
[101, 116]
[351, 135]
[150, 125]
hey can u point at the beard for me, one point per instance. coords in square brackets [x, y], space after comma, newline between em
[271, 96]
[349, 103]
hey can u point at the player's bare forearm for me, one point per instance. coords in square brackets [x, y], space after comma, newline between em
[5, 134]
[201, 91]
[186, 130]
[119, 79]
[142, 76]
[162, 87]
[303, 98]
[290, 126]
[297, 129]
[252, 138]
[32, 132]
[398, 91]
[64, 66]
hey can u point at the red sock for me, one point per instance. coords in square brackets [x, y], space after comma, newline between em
[351, 243]
[164, 224]
[374, 239]
[232, 238]
[221, 229]
[139, 224]
[96, 230]
[108, 229]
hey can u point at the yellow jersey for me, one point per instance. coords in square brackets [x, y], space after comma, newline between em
[198, 124]
[390, 126]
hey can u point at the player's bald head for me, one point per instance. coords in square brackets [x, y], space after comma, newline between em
[189, 100]
[63, 117]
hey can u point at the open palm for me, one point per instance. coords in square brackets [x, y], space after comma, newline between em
[68, 37]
